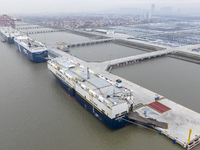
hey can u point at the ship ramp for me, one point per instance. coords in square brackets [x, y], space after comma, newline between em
[183, 123]
[134, 116]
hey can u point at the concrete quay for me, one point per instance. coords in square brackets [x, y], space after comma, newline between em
[89, 42]
[185, 53]
[137, 58]
[39, 30]
[179, 118]
[28, 27]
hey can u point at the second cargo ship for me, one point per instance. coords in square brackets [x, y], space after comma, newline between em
[32, 49]
[9, 34]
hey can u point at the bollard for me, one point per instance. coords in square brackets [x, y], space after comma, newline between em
[190, 131]
[159, 132]
[174, 141]
[145, 113]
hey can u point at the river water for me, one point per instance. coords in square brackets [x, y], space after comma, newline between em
[37, 114]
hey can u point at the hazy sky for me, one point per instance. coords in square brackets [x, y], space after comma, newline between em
[62, 6]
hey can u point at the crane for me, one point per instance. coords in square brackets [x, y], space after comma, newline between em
[6, 20]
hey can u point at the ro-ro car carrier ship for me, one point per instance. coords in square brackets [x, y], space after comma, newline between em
[32, 49]
[100, 96]
[9, 34]
[105, 99]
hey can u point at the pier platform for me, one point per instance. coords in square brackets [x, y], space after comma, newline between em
[89, 42]
[137, 58]
[39, 30]
[179, 118]
[28, 27]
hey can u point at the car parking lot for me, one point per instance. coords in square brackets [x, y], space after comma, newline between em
[169, 34]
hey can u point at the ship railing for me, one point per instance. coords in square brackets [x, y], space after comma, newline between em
[193, 144]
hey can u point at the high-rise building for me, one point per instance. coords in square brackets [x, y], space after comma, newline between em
[147, 16]
[152, 8]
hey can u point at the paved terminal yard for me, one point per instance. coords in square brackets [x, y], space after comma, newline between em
[180, 119]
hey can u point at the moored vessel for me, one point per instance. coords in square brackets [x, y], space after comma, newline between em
[102, 97]
[9, 34]
[32, 49]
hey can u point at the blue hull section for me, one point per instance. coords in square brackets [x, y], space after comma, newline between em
[9, 40]
[115, 123]
[35, 57]
[67, 88]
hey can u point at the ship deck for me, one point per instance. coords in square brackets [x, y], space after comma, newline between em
[179, 118]
[99, 85]
[9, 32]
[35, 46]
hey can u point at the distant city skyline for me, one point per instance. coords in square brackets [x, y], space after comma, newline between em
[88, 6]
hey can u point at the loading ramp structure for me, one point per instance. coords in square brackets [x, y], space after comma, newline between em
[134, 116]
[180, 121]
